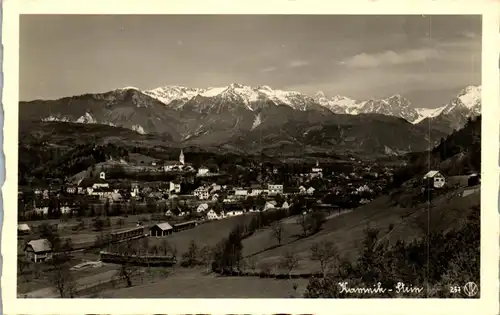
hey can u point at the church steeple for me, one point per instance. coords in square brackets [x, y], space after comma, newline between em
[181, 157]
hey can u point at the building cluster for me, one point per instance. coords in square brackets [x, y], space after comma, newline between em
[364, 181]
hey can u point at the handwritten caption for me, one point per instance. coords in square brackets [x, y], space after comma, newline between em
[400, 288]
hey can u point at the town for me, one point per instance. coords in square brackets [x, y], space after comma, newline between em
[86, 214]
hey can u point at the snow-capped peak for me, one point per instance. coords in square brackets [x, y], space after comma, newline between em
[470, 96]
[168, 94]
[234, 92]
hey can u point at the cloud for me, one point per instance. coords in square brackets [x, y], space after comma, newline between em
[298, 63]
[269, 69]
[389, 58]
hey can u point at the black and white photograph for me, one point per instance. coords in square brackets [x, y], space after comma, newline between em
[249, 156]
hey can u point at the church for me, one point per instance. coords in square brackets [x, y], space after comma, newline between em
[178, 166]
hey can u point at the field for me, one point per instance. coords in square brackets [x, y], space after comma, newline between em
[194, 284]
[206, 234]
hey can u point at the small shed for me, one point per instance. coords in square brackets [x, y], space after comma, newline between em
[23, 228]
[161, 229]
[38, 250]
[434, 179]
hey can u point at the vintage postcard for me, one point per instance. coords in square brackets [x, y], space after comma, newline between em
[161, 156]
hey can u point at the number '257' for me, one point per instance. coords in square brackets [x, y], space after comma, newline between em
[454, 289]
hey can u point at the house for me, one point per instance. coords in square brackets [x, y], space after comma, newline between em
[316, 171]
[215, 214]
[215, 197]
[38, 250]
[215, 187]
[302, 190]
[203, 170]
[161, 229]
[310, 191]
[268, 205]
[134, 192]
[100, 183]
[242, 192]
[201, 192]
[169, 213]
[434, 179]
[202, 208]
[114, 197]
[233, 209]
[285, 205]
[102, 175]
[41, 206]
[175, 187]
[71, 189]
[235, 212]
[257, 192]
[275, 189]
[23, 229]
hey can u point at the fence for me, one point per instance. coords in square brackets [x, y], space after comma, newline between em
[138, 260]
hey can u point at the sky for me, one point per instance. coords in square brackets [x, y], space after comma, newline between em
[427, 59]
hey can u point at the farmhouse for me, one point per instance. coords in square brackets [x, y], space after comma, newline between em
[38, 250]
[161, 229]
[434, 179]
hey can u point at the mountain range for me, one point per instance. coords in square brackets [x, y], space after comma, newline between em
[258, 118]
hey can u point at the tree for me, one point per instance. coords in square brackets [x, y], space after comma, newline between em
[167, 248]
[289, 261]
[277, 229]
[61, 279]
[145, 245]
[315, 221]
[205, 255]
[126, 272]
[190, 258]
[98, 224]
[120, 222]
[50, 233]
[106, 207]
[301, 220]
[326, 254]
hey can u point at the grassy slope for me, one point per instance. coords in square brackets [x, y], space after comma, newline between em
[347, 230]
